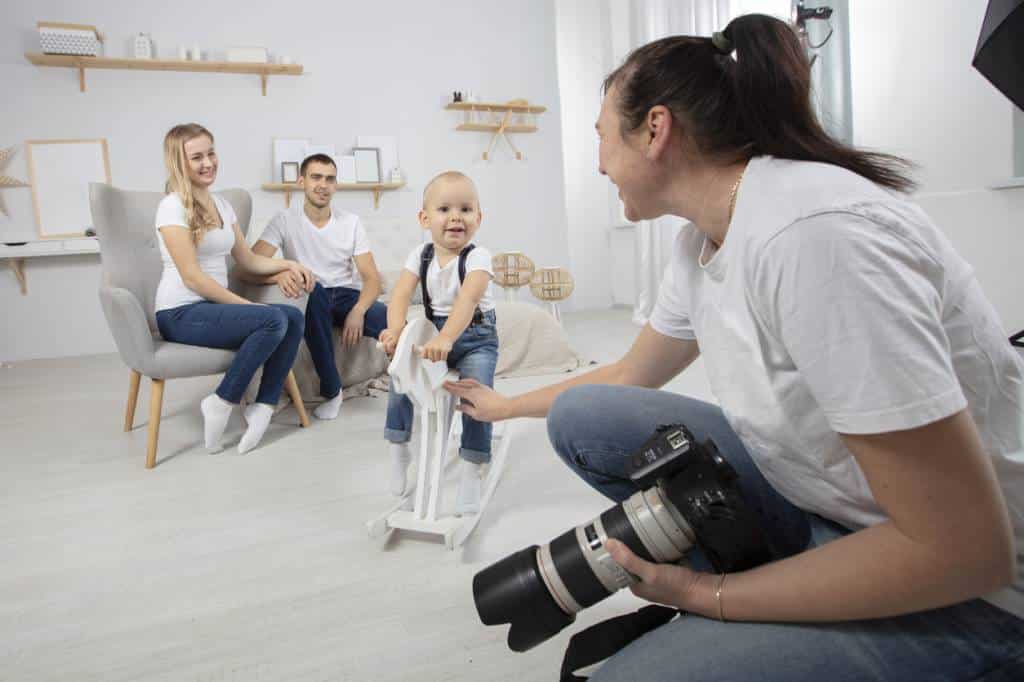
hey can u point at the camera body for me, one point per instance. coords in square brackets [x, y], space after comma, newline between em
[687, 497]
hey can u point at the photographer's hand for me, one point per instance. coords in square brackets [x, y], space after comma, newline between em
[480, 402]
[668, 584]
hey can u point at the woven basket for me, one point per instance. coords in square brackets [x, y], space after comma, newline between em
[512, 269]
[552, 284]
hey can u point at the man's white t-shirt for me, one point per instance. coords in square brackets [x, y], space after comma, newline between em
[443, 283]
[211, 252]
[327, 251]
[834, 307]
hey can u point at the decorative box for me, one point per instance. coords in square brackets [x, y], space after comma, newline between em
[143, 46]
[76, 39]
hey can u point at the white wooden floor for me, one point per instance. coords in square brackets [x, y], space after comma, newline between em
[257, 567]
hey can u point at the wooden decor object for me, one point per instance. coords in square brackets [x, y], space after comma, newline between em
[5, 180]
[512, 270]
[552, 285]
[500, 122]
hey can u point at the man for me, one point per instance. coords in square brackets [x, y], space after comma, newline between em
[328, 242]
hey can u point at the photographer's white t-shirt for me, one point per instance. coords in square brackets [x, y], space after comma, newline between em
[443, 283]
[834, 307]
[327, 251]
[211, 252]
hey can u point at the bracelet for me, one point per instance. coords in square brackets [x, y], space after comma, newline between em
[718, 597]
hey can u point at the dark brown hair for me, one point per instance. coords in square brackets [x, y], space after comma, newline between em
[758, 103]
[316, 158]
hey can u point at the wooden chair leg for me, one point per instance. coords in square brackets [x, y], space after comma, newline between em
[133, 399]
[292, 386]
[156, 400]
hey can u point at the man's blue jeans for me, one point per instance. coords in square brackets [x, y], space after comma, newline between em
[327, 308]
[474, 355]
[594, 429]
[267, 335]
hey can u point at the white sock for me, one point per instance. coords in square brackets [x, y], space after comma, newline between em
[216, 412]
[329, 409]
[400, 458]
[258, 415]
[467, 501]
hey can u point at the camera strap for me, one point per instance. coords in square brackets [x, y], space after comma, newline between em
[599, 642]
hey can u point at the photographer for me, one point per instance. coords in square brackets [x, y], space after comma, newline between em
[858, 366]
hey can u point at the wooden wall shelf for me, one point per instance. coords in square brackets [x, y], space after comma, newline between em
[264, 71]
[500, 108]
[375, 187]
[497, 128]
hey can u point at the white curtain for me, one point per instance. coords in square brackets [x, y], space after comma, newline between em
[650, 20]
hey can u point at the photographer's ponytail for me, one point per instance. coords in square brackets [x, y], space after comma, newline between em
[742, 93]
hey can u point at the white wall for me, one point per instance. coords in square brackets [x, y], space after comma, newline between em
[584, 59]
[915, 94]
[370, 69]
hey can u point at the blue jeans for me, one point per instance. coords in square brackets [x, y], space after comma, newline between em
[328, 307]
[267, 335]
[594, 429]
[474, 355]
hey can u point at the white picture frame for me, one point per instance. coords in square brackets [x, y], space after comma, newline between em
[60, 172]
[326, 149]
[388, 146]
[287, 149]
[347, 170]
[367, 164]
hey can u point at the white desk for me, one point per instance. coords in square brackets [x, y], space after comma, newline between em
[36, 248]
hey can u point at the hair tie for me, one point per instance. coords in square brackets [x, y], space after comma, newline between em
[721, 42]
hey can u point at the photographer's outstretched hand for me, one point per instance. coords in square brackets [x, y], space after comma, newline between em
[480, 402]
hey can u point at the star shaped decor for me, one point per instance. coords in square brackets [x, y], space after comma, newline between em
[7, 181]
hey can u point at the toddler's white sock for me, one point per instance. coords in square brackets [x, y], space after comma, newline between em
[216, 412]
[400, 458]
[330, 408]
[467, 501]
[258, 415]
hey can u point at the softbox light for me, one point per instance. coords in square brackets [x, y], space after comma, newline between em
[999, 55]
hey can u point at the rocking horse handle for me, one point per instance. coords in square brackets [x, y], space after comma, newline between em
[415, 349]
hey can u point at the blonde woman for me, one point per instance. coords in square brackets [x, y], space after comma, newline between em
[193, 304]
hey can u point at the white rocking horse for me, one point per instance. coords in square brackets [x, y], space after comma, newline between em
[422, 381]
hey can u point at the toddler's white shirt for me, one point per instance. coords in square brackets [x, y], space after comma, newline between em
[443, 283]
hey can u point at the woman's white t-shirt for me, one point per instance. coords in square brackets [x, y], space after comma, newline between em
[327, 251]
[443, 283]
[211, 252]
[834, 307]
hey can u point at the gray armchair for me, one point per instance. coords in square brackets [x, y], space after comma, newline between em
[131, 272]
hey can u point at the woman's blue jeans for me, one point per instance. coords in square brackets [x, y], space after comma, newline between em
[474, 355]
[594, 429]
[266, 335]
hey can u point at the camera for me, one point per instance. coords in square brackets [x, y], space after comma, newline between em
[687, 497]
